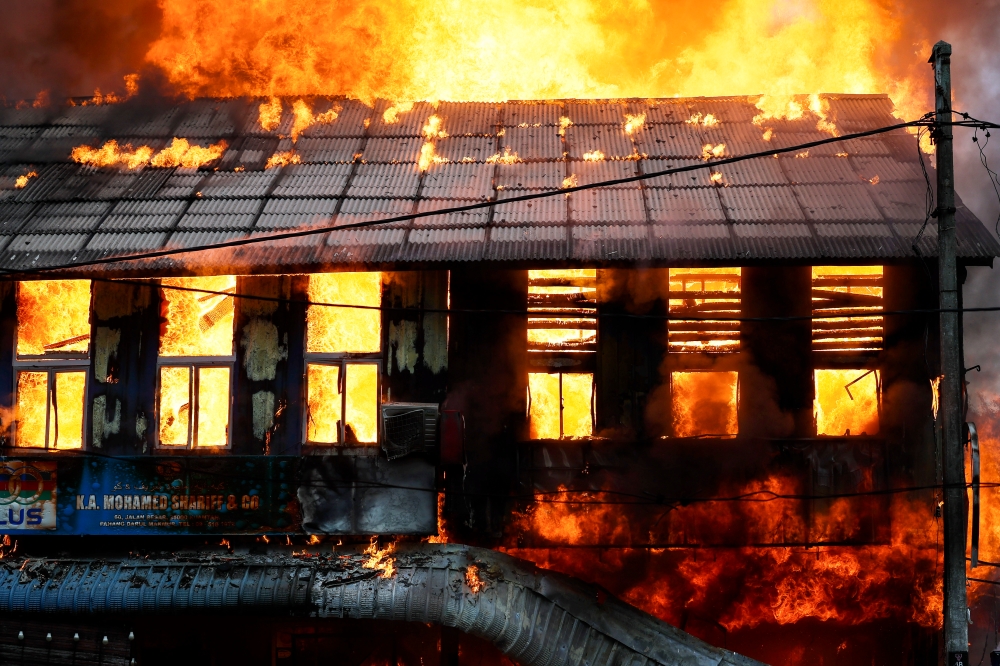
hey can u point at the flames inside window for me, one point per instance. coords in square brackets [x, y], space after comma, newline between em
[704, 293]
[847, 402]
[343, 348]
[562, 333]
[53, 351]
[196, 360]
[704, 403]
[560, 404]
[847, 297]
[566, 301]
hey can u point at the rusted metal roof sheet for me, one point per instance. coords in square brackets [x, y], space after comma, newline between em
[860, 199]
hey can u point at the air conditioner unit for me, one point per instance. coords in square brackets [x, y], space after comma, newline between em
[408, 427]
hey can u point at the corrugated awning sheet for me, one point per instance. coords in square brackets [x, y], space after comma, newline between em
[852, 200]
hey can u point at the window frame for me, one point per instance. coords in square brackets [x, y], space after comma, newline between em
[194, 364]
[340, 360]
[52, 365]
[562, 405]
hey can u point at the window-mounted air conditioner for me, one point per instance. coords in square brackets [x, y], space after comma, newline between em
[408, 427]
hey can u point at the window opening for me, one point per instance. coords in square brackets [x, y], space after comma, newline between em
[343, 359]
[845, 293]
[563, 333]
[561, 405]
[196, 360]
[704, 292]
[704, 403]
[51, 361]
[847, 401]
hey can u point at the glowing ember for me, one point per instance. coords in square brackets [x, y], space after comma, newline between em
[473, 580]
[507, 157]
[873, 180]
[281, 159]
[593, 155]
[180, 153]
[198, 324]
[22, 180]
[803, 154]
[846, 408]
[704, 403]
[708, 151]
[633, 123]
[380, 559]
[53, 317]
[936, 395]
[269, 114]
[346, 329]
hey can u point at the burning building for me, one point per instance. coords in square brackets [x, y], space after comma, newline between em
[708, 393]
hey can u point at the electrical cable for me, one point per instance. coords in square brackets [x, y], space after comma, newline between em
[468, 207]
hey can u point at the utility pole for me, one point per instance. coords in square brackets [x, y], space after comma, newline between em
[956, 627]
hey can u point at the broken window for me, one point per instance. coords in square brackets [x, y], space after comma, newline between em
[847, 402]
[842, 296]
[53, 354]
[704, 384]
[703, 293]
[704, 403]
[343, 357]
[562, 333]
[561, 404]
[196, 362]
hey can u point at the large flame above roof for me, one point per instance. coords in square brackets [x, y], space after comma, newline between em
[479, 50]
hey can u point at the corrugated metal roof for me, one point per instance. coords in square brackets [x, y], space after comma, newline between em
[607, 206]
[458, 181]
[391, 150]
[609, 140]
[674, 140]
[531, 114]
[760, 204]
[466, 148]
[328, 149]
[817, 207]
[699, 204]
[469, 118]
[384, 180]
[472, 218]
[533, 143]
[695, 178]
[312, 180]
[837, 202]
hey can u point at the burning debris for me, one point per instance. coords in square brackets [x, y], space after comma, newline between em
[22, 180]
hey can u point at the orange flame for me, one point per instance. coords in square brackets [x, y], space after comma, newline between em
[595, 155]
[473, 580]
[281, 159]
[634, 122]
[180, 153]
[269, 114]
[507, 157]
[380, 559]
[22, 180]
[304, 118]
[708, 151]
[53, 317]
